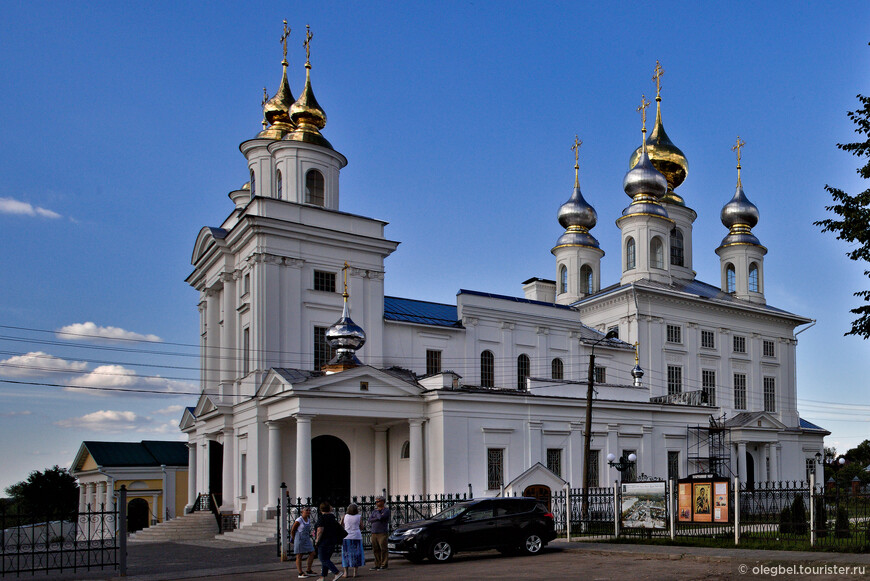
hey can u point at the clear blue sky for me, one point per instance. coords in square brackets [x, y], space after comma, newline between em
[120, 122]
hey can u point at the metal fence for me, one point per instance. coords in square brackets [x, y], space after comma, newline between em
[567, 509]
[55, 541]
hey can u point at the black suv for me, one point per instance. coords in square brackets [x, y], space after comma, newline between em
[506, 524]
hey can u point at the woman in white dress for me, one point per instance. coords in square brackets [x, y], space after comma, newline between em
[352, 553]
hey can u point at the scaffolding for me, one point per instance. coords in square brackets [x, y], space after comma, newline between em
[709, 448]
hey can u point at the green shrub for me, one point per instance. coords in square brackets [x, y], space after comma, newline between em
[785, 527]
[799, 516]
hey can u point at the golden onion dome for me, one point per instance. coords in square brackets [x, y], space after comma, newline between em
[666, 157]
[306, 113]
[276, 111]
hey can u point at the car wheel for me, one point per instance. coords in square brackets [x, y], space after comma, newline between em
[532, 544]
[441, 551]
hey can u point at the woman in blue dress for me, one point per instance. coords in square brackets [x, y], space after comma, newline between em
[300, 536]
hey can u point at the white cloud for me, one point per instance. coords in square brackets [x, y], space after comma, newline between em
[118, 376]
[106, 421]
[89, 330]
[173, 409]
[11, 206]
[38, 364]
[11, 414]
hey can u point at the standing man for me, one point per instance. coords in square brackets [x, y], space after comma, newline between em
[379, 519]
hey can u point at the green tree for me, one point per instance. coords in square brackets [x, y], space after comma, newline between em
[860, 453]
[852, 220]
[48, 493]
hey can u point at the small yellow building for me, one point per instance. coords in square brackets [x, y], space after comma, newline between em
[155, 473]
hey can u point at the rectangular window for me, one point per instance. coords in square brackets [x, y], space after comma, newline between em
[243, 475]
[363, 385]
[675, 379]
[322, 351]
[494, 468]
[324, 281]
[739, 344]
[769, 348]
[592, 469]
[708, 339]
[708, 386]
[740, 391]
[246, 351]
[246, 284]
[600, 375]
[554, 461]
[629, 475]
[675, 334]
[433, 361]
[769, 394]
[673, 465]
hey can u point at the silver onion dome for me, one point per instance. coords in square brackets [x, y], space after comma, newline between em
[739, 216]
[645, 185]
[346, 337]
[637, 374]
[577, 217]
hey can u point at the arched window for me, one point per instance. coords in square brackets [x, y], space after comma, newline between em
[523, 371]
[656, 253]
[676, 247]
[753, 277]
[563, 279]
[586, 279]
[730, 278]
[406, 451]
[557, 369]
[487, 369]
[253, 184]
[630, 261]
[279, 186]
[314, 187]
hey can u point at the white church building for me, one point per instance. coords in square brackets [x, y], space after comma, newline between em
[488, 392]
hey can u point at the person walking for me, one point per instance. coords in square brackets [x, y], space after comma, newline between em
[327, 537]
[352, 554]
[300, 536]
[379, 520]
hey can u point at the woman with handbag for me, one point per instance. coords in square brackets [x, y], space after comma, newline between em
[329, 533]
[352, 554]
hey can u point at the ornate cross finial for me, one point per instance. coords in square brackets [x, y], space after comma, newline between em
[265, 96]
[643, 105]
[657, 77]
[576, 148]
[307, 45]
[344, 270]
[263, 104]
[636, 358]
[738, 147]
[284, 38]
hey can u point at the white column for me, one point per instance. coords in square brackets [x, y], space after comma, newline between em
[92, 496]
[83, 497]
[774, 469]
[110, 495]
[101, 497]
[741, 461]
[381, 477]
[275, 467]
[303, 456]
[191, 476]
[228, 496]
[416, 460]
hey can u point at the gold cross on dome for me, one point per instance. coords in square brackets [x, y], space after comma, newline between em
[265, 96]
[284, 38]
[738, 147]
[643, 105]
[307, 44]
[345, 280]
[576, 148]
[657, 77]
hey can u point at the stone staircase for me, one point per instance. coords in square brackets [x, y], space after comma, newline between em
[194, 526]
[260, 532]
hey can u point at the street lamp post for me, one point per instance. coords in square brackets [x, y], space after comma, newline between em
[625, 463]
[587, 427]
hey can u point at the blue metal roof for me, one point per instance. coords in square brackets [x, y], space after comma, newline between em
[513, 299]
[805, 425]
[412, 311]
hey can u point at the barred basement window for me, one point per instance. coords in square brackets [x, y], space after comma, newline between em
[324, 281]
[322, 351]
[708, 339]
[433, 361]
[769, 394]
[675, 379]
[494, 468]
[769, 348]
[673, 465]
[740, 391]
[523, 371]
[592, 469]
[554, 461]
[739, 344]
[600, 375]
[708, 385]
[675, 334]
[557, 369]
[487, 369]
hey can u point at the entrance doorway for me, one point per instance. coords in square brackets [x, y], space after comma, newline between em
[540, 492]
[216, 470]
[137, 514]
[330, 470]
[750, 471]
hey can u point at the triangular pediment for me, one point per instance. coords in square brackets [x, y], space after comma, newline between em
[188, 420]
[356, 381]
[538, 474]
[756, 420]
[208, 405]
[83, 461]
